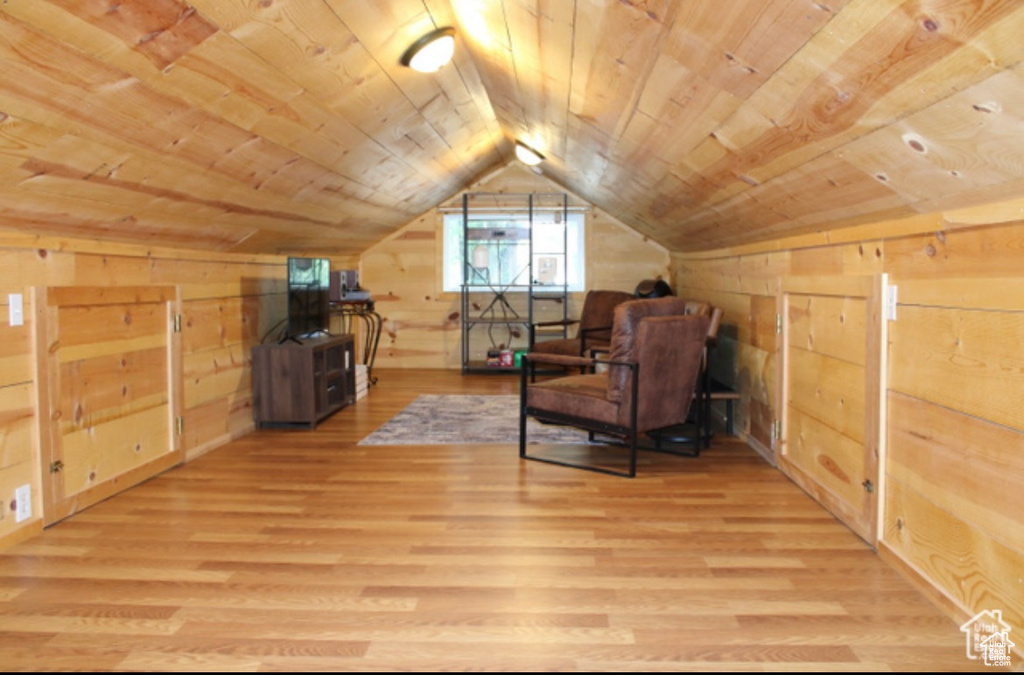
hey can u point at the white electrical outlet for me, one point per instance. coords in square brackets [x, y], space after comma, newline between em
[23, 502]
[16, 314]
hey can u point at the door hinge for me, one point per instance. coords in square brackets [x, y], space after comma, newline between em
[177, 323]
[179, 425]
[868, 486]
[778, 323]
[56, 467]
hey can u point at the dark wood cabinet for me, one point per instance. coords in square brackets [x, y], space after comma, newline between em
[300, 384]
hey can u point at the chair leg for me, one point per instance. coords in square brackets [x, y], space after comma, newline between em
[699, 424]
[706, 401]
[632, 452]
[522, 410]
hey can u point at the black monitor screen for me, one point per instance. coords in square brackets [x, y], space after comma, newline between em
[309, 281]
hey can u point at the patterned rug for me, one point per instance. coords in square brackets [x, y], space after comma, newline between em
[441, 419]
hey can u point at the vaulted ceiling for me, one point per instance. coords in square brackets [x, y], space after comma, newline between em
[276, 126]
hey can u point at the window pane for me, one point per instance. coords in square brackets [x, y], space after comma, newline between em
[499, 261]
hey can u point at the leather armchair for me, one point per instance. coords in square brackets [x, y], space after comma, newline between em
[653, 368]
[594, 329]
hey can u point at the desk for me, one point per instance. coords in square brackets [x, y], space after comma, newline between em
[348, 310]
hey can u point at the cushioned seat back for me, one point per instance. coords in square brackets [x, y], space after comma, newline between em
[668, 350]
[624, 333]
[599, 312]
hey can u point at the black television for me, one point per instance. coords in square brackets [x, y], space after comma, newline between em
[309, 285]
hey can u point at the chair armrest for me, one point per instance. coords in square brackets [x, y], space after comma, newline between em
[573, 361]
[560, 322]
[559, 359]
[593, 329]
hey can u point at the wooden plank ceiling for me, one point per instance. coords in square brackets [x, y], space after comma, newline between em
[277, 126]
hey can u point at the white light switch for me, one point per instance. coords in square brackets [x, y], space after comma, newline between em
[23, 503]
[17, 315]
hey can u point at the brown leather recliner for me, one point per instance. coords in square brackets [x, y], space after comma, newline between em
[652, 372]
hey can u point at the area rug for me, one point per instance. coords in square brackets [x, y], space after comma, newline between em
[444, 419]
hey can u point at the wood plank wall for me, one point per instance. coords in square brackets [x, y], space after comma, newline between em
[953, 495]
[229, 304]
[421, 324]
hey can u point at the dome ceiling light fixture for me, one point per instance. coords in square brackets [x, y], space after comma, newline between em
[528, 155]
[431, 52]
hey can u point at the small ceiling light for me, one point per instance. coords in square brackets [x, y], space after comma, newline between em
[528, 155]
[431, 52]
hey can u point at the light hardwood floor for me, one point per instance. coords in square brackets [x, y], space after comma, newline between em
[299, 550]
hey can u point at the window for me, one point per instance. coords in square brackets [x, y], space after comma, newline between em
[506, 265]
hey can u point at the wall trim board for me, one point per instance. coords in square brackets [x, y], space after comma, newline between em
[760, 448]
[215, 443]
[23, 533]
[996, 213]
[18, 241]
[946, 603]
[873, 231]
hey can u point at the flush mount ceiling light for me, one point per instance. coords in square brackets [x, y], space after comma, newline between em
[528, 155]
[430, 52]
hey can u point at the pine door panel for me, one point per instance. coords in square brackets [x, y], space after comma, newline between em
[829, 436]
[109, 395]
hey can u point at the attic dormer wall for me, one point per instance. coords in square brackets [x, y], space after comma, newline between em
[421, 322]
[952, 442]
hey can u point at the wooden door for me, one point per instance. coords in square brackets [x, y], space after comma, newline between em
[829, 439]
[109, 376]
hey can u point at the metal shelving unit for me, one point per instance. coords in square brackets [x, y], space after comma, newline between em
[514, 274]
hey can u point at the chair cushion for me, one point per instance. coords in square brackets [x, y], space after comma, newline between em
[579, 396]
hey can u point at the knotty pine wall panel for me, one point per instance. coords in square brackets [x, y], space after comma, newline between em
[829, 458]
[953, 503]
[960, 560]
[923, 434]
[618, 258]
[95, 454]
[829, 326]
[19, 456]
[94, 387]
[230, 302]
[830, 390]
[219, 373]
[419, 323]
[15, 343]
[965, 360]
